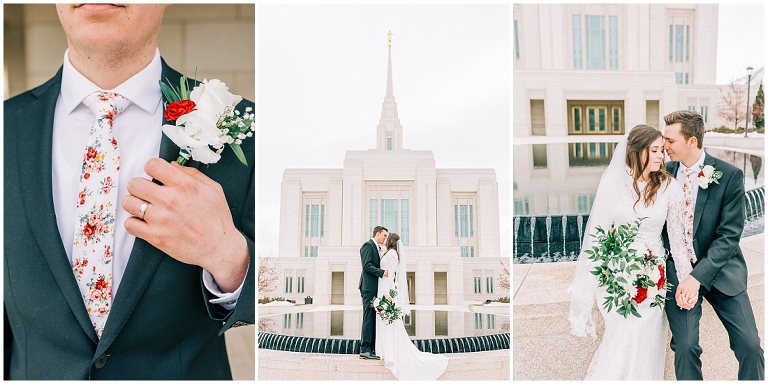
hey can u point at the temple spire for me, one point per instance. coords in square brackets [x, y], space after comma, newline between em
[389, 132]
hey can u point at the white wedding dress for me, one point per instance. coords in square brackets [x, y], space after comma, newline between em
[634, 348]
[393, 345]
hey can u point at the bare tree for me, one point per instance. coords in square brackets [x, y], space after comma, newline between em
[267, 325]
[268, 274]
[733, 105]
[504, 278]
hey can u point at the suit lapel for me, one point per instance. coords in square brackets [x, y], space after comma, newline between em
[701, 197]
[34, 158]
[672, 168]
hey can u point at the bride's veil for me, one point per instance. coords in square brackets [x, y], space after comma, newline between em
[584, 287]
[401, 282]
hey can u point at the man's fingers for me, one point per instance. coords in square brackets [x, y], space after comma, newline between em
[142, 189]
[196, 174]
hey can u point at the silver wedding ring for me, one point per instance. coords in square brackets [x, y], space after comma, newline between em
[142, 210]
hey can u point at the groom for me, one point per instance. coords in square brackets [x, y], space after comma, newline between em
[720, 272]
[181, 268]
[369, 283]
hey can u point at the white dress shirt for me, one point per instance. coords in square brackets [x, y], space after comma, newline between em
[696, 167]
[138, 132]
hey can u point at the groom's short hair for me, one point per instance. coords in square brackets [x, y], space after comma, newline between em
[378, 229]
[691, 124]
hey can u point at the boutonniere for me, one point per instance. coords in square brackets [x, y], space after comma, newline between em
[205, 119]
[708, 175]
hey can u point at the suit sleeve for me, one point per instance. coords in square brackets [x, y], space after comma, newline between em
[244, 312]
[727, 233]
[367, 255]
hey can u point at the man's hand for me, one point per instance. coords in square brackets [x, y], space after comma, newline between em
[687, 293]
[188, 218]
[385, 273]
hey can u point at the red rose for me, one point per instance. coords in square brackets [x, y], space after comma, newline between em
[642, 294]
[663, 279]
[86, 176]
[92, 152]
[701, 174]
[178, 108]
[100, 283]
[88, 231]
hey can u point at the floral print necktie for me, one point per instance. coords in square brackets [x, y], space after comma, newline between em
[96, 208]
[688, 191]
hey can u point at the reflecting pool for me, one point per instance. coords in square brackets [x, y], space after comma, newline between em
[554, 187]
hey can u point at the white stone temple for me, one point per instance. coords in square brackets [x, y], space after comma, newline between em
[600, 69]
[448, 220]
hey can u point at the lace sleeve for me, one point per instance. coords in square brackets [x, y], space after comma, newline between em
[388, 263]
[676, 230]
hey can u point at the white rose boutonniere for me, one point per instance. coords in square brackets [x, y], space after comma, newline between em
[708, 175]
[205, 120]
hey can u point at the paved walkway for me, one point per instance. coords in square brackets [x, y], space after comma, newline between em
[280, 365]
[544, 349]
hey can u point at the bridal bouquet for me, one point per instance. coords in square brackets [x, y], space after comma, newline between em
[631, 277]
[205, 119]
[386, 307]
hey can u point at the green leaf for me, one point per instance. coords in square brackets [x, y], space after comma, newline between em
[239, 153]
[184, 91]
[169, 92]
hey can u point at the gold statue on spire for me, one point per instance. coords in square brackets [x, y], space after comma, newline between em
[389, 38]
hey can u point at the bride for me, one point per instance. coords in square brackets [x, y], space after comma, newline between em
[634, 185]
[392, 342]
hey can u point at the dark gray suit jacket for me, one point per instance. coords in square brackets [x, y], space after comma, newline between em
[161, 325]
[717, 226]
[369, 277]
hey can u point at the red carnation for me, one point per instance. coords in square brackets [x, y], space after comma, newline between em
[178, 108]
[663, 279]
[642, 294]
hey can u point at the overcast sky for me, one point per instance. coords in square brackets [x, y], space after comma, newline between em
[740, 40]
[322, 77]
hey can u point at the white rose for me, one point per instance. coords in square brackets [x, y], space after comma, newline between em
[654, 273]
[632, 291]
[197, 134]
[213, 97]
[708, 171]
[703, 182]
[652, 292]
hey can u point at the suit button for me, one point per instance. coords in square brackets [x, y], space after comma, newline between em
[101, 361]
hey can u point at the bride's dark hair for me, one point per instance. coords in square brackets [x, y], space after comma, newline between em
[392, 239]
[639, 141]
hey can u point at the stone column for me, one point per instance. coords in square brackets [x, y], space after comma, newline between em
[290, 218]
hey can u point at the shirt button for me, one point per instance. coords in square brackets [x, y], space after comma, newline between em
[101, 361]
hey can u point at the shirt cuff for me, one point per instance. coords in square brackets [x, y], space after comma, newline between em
[227, 300]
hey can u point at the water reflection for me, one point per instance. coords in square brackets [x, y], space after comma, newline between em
[562, 178]
[420, 324]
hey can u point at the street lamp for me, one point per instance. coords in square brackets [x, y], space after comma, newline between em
[749, 80]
